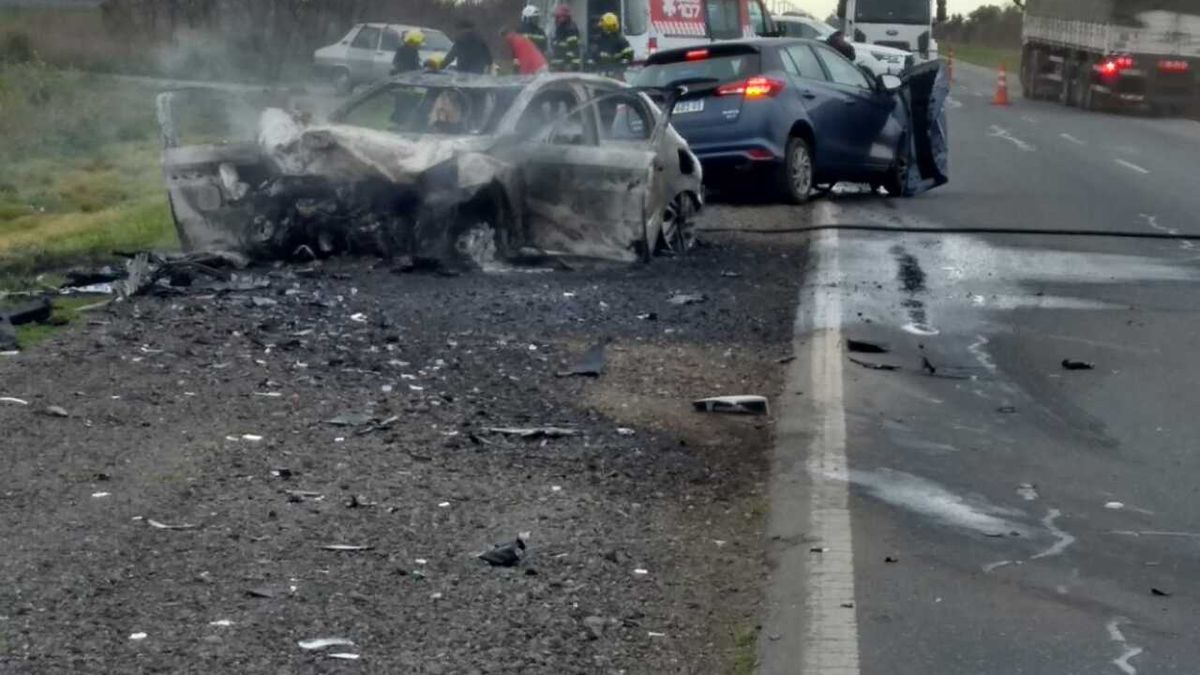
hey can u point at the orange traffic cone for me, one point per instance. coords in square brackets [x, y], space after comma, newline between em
[1001, 97]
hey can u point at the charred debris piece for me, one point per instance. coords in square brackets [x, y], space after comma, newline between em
[739, 405]
[36, 311]
[507, 554]
[1072, 364]
[590, 364]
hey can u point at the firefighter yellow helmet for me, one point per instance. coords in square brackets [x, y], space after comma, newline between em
[609, 23]
[414, 38]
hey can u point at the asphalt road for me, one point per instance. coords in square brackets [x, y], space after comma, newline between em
[982, 509]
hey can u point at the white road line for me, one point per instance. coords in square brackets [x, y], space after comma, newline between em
[1131, 166]
[1128, 651]
[1152, 221]
[1029, 118]
[1071, 138]
[1000, 132]
[831, 643]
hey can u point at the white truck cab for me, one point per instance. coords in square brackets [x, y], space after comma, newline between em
[901, 24]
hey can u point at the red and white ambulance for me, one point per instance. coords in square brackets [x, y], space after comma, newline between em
[651, 25]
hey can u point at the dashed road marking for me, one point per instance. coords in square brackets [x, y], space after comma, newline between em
[1071, 138]
[1131, 166]
[1001, 132]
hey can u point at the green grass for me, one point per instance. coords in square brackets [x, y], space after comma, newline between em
[745, 651]
[66, 312]
[989, 57]
[79, 169]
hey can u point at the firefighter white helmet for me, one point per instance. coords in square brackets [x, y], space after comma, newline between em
[531, 13]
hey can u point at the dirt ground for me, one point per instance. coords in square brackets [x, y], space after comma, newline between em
[213, 414]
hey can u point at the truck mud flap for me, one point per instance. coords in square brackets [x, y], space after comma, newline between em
[927, 87]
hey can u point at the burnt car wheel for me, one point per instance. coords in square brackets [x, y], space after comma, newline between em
[796, 174]
[679, 228]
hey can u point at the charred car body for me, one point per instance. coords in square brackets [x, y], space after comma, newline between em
[453, 168]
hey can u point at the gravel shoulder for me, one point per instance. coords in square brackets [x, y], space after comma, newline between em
[212, 413]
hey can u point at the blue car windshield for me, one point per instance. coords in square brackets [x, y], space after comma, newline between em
[720, 68]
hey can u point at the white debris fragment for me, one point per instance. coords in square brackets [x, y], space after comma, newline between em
[435, 596]
[14, 401]
[221, 623]
[345, 656]
[421, 561]
[100, 495]
[655, 635]
[138, 636]
[443, 505]
[346, 547]
[324, 643]
[556, 488]
[1114, 505]
[625, 431]
[252, 438]
[641, 572]
[163, 526]
[358, 318]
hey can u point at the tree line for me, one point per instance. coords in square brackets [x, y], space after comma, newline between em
[989, 25]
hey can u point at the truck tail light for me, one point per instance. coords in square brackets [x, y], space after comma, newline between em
[652, 45]
[754, 87]
[1174, 66]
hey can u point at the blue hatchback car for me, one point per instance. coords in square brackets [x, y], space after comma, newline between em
[795, 108]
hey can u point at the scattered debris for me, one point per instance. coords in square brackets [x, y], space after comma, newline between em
[252, 438]
[1069, 364]
[785, 359]
[596, 626]
[1007, 409]
[744, 405]
[873, 366]
[507, 554]
[590, 364]
[324, 643]
[1160, 593]
[848, 605]
[863, 347]
[531, 433]
[267, 592]
[641, 572]
[55, 411]
[221, 623]
[351, 420]
[891, 559]
[14, 401]
[730, 275]
[100, 495]
[682, 299]
[818, 549]
[346, 547]
[625, 431]
[163, 526]
[1114, 505]
[344, 656]
[138, 636]
[927, 366]
[1028, 491]
[648, 316]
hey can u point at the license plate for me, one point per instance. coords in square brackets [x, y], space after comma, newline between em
[694, 106]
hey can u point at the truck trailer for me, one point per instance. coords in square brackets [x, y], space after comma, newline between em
[1112, 54]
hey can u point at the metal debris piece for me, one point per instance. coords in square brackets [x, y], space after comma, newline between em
[530, 433]
[346, 547]
[927, 366]
[344, 656]
[351, 420]
[1160, 593]
[163, 526]
[590, 364]
[324, 643]
[744, 405]
[873, 366]
[682, 299]
[507, 554]
[14, 401]
[1070, 364]
[863, 347]
[37, 311]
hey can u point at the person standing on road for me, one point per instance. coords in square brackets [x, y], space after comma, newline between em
[611, 53]
[408, 54]
[527, 58]
[531, 27]
[470, 53]
[565, 47]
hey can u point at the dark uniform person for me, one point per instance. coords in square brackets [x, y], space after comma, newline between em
[611, 53]
[564, 50]
[531, 27]
[470, 53]
[408, 55]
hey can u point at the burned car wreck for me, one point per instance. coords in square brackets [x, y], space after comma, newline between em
[457, 169]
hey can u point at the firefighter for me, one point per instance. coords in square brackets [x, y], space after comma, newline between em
[610, 52]
[565, 47]
[531, 27]
[408, 54]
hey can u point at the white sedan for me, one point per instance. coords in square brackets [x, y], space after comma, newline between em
[876, 58]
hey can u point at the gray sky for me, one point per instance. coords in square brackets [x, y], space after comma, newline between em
[823, 8]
